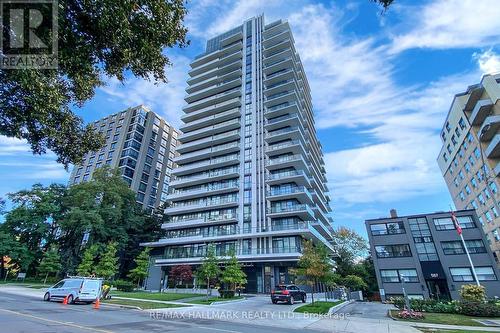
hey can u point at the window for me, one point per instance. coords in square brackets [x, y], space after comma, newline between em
[448, 148]
[456, 247]
[392, 251]
[464, 274]
[493, 187]
[461, 195]
[409, 275]
[461, 274]
[389, 275]
[473, 181]
[467, 189]
[488, 217]
[477, 153]
[387, 228]
[454, 140]
[448, 128]
[485, 274]
[461, 174]
[397, 275]
[457, 132]
[446, 223]
[461, 123]
[469, 137]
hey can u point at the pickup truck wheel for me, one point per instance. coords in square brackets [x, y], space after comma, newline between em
[46, 297]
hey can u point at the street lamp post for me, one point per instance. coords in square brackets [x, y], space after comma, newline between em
[407, 300]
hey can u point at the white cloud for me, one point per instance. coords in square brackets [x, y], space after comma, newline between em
[488, 62]
[166, 99]
[448, 24]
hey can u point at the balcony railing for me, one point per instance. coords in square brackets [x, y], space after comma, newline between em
[288, 209]
[284, 159]
[286, 174]
[287, 190]
[283, 145]
[225, 252]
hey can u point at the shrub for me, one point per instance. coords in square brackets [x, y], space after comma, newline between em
[123, 285]
[472, 293]
[410, 315]
[226, 293]
[399, 302]
[479, 309]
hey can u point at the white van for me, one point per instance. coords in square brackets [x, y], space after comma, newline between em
[77, 289]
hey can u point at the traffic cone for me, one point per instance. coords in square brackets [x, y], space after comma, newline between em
[65, 300]
[97, 304]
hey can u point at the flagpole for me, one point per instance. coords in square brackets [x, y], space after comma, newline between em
[470, 260]
[459, 231]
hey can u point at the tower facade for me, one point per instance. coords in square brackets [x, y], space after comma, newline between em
[142, 145]
[250, 177]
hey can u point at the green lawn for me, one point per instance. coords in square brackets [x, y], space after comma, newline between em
[142, 304]
[317, 307]
[211, 300]
[443, 318]
[153, 296]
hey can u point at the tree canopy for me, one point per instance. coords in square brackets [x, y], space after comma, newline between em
[96, 39]
[314, 265]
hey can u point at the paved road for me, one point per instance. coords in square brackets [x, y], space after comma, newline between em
[367, 310]
[20, 313]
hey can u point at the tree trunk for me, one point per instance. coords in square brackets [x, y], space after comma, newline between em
[208, 286]
[45, 280]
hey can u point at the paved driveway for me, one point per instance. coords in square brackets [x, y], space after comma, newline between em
[258, 303]
[371, 310]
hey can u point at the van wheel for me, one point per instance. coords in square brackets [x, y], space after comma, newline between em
[46, 297]
[70, 299]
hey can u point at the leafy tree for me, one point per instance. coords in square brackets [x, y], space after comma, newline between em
[354, 282]
[12, 252]
[233, 274]
[384, 3]
[33, 220]
[105, 209]
[96, 39]
[87, 265]
[107, 267]
[209, 269]
[181, 273]
[314, 266]
[51, 263]
[140, 272]
[350, 248]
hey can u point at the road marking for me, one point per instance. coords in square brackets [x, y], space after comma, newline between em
[218, 329]
[56, 321]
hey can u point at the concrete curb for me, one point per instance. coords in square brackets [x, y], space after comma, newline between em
[337, 307]
[230, 301]
[122, 306]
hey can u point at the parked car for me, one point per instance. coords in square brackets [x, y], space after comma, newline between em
[288, 293]
[77, 289]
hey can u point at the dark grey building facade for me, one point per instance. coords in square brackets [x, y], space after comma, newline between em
[427, 252]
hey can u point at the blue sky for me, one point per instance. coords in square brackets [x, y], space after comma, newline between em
[381, 87]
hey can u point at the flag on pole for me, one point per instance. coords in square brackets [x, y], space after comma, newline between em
[458, 228]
